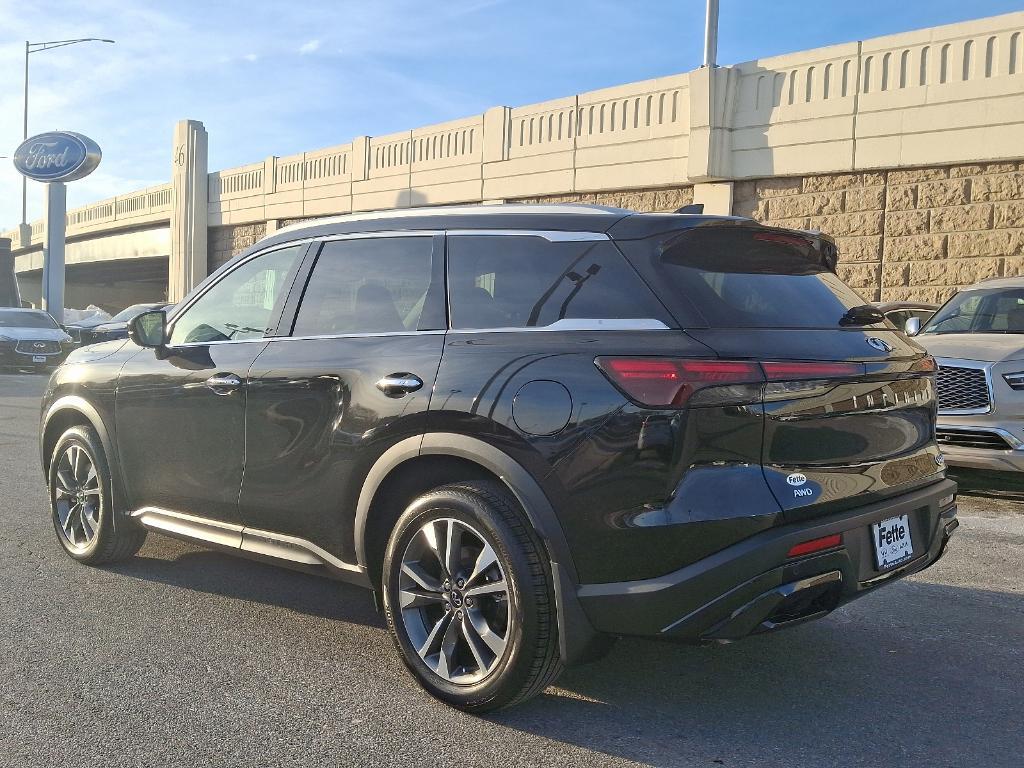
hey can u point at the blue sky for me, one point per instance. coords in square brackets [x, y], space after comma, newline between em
[278, 78]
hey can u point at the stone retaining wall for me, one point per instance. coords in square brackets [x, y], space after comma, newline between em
[225, 242]
[914, 234]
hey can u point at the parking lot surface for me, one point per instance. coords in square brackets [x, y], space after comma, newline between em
[183, 656]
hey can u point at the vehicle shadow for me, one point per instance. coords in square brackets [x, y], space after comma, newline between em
[877, 682]
[174, 563]
[920, 674]
[989, 484]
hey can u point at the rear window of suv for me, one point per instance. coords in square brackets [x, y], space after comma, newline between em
[743, 277]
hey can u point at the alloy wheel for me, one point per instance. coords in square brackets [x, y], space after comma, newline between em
[77, 497]
[454, 600]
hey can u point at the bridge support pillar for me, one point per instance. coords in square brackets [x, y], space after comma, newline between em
[188, 264]
[9, 294]
[715, 197]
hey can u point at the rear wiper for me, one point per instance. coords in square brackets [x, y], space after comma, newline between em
[865, 314]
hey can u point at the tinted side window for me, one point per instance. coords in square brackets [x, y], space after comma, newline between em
[241, 305]
[366, 285]
[523, 281]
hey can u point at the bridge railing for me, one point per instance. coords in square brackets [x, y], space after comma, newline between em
[146, 206]
[939, 95]
[947, 94]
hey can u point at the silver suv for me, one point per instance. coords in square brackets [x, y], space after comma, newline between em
[977, 337]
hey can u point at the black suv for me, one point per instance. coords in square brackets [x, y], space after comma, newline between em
[528, 429]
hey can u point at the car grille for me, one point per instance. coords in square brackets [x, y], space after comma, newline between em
[971, 438]
[962, 389]
[38, 347]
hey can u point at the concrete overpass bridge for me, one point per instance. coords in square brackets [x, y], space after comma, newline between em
[117, 251]
[909, 148]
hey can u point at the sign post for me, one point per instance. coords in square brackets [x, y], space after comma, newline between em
[53, 250]
[55, 158]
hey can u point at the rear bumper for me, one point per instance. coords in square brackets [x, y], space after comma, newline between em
[753, 587]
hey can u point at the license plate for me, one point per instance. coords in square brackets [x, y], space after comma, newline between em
[38, 358]
[892, 542]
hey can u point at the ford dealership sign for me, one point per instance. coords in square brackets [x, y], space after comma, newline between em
[57, 156]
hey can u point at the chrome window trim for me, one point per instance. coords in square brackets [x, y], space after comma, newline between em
[551, 235]
[476, 209]
[955, 362]
[379, 334]
[580, 324]
[191, 344]
[381, 234]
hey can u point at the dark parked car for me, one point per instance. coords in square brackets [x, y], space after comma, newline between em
[95, 330]
[30, 339]
[528, 429]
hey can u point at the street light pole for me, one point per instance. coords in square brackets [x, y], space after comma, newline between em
[711, 35]
[24, 135]
[35, 48]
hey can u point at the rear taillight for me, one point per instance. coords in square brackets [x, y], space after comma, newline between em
[790, 370]
[665, 382]
[671, 382]
[816, 545]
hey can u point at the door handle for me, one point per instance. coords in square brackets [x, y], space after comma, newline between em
[399, 384]
[224, 383]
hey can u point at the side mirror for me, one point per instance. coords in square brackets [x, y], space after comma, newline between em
[913, 326]
[149, 329]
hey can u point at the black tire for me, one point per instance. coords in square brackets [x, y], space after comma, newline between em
[530, 660]
[112, 539]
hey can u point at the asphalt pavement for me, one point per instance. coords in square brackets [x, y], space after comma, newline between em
[185, 657]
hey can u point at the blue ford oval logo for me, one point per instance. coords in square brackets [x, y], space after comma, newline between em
[57, 156]
[797, 479]
[878, 344]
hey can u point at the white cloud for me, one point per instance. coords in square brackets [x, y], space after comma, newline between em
[197, 61]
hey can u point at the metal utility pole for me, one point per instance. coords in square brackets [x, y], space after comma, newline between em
[711, 35]
[35, 48]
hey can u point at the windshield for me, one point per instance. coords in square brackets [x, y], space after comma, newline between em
[997, 310]
[26, 320]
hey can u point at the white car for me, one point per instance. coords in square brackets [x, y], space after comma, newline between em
[977, 338]
[31, 339]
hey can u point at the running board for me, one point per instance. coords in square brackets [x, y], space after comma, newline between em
[289, 551]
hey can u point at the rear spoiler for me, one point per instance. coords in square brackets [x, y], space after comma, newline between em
[825, 245]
